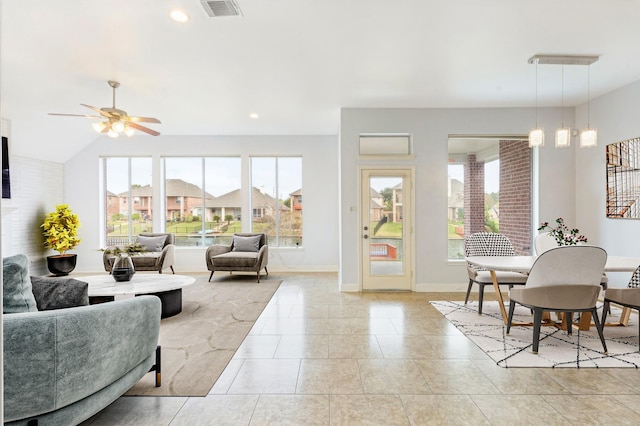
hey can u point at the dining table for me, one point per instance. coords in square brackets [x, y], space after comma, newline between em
[523, 265]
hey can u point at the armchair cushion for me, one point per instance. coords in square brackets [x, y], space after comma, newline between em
[151, 244]
[16, 290]
[59, 293]
[249, 244]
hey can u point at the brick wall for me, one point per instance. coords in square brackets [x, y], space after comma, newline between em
[515, 194]
[473, 196]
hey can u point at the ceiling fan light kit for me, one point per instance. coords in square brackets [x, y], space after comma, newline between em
[116, 121]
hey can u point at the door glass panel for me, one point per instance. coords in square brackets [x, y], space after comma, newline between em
[386, 234]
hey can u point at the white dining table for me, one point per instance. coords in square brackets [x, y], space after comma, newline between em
[523, 265]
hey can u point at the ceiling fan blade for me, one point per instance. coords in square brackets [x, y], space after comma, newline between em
[143, 120]
[75, 115]
[143, 129]
[98, 110]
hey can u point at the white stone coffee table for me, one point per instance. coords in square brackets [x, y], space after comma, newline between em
[168, 287]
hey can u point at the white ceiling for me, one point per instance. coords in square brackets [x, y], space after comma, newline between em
[294, 62]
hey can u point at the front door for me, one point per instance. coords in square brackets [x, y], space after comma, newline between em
[386, 229]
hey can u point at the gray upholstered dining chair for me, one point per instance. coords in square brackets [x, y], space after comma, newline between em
[489, 244]
[628, 297]
[563, 279]
[544, 241]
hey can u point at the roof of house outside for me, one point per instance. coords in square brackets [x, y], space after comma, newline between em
[296, 192]
[174, 188]
[233, 199]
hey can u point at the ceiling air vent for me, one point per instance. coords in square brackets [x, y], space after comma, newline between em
[215, 8]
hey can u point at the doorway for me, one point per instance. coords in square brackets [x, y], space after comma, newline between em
[386, 229]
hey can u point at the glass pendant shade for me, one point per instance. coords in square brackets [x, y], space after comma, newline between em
[99, 127]
[112, 133]
[536, 137]
[563, 138]
[129, 131]
[118, 126]
[588, 138]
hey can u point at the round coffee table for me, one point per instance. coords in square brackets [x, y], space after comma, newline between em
[168, 287]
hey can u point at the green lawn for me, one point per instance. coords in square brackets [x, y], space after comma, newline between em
[389, 229]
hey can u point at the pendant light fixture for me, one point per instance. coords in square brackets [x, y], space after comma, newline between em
[589, 136]
[563, 134]
[536, 135]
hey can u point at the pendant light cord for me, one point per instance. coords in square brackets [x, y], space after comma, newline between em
[589, 97]
[562, 96]
[536, 94]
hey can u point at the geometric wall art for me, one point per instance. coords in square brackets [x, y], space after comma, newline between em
[623, 179]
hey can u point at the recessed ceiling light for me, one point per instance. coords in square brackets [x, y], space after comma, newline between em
[179, 15]
[254, 115]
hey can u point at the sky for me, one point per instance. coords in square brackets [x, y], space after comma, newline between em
[491, 175]
[223, 174]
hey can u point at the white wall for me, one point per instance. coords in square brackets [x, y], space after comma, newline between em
[617, 117]
[319, 181]
[36, 188]
[430, 129]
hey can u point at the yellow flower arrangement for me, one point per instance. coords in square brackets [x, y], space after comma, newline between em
[61, 229]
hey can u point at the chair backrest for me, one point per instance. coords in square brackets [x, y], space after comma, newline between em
[263, 237]
[170, 238]
[634, 282]
[543, 242]
[488, 244]
[568, 265]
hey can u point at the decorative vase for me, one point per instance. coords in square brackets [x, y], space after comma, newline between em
[61, 264]
[122, 268]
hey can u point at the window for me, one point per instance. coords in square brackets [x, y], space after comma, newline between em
[203, 199]
[478, 200]
[275, 184]
[124, 179]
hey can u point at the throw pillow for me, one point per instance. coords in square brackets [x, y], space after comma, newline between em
[152, 243]
[246, 243]
[58, 293]
[16, 290]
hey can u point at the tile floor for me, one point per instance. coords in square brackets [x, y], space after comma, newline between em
[320, 357]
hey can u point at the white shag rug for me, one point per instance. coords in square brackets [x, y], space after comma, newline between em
[582, 349]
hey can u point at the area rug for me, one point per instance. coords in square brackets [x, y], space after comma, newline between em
[582, 349]
[198, 343]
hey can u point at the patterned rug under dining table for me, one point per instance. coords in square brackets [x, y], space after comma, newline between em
[523, 265]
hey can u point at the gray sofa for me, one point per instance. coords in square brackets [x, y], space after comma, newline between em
[62, 366]
[159, 253]
[248, 252]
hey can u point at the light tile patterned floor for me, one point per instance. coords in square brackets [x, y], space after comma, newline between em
[320, 357]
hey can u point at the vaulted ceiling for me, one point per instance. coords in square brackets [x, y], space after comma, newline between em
[294, 62]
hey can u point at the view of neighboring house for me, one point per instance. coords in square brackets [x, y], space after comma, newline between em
[112, 203]
[231, 204]
[376, 205]
[182, 199]
[296, 200]
[396, 215]
[455, 203]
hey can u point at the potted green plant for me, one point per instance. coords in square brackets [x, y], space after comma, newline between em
[60, 229]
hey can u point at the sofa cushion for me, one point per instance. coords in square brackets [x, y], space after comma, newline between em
[243, 259]
[151, 244]
[246, 244]
[16, 291]
[58, 293]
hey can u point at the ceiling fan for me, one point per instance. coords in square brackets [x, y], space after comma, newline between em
[116, 120]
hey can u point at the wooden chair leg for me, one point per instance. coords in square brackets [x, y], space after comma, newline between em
[265, 270]
[210, 276]
[172, 271]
